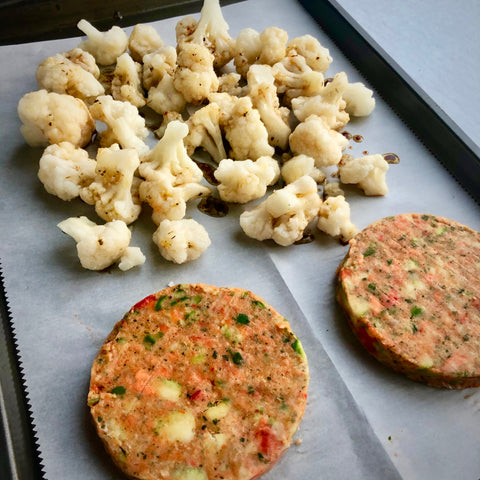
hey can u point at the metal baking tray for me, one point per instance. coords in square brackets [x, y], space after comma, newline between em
[19, 457]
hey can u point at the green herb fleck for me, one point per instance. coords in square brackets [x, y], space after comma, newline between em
[389, 262]
[372, 287]
[158, 305]
[259, 304]
[242, 318]
[250, 390]
[297, 346]
[414, 328]
[237, 358]
[197, 299]
[415, 311]
[118, 390]
[369, 251]
[93, 401]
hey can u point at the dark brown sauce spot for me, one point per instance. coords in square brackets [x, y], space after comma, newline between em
[308, 237]
[357, 138]
[327, 81]
[365, 152]
[347, 135]
[214, 207]
[391, 158]
[208, 172]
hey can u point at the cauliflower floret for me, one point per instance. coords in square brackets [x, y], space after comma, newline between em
[124, 124]
[229, 83]
[285, 214]
[65, 170]
[171, 176]
[359, 100]
[195, 77]
[204, 131]
[61, 75]
[127, 81]
[181, 240]
[262, 91]
[299, 166]
[313, 138]
[98, 246]
[243, 127]
[268, 47]
[143, 40]
[334, 218]
[132, 257]
[106, 47]
[327, 104]
[112, 191]
[50, 117]
[367, 172]
[317, 57]
[210, 31]
[158, 64]
[294, 78]
[242, 181]
[164, 97]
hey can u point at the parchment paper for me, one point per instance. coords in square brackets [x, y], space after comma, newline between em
[362, 421]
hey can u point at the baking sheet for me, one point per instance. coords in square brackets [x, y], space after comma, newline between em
[362, 421]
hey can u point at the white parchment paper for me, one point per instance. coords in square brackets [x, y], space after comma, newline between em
[362, 421]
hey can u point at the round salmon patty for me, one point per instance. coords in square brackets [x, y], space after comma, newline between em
[198, 382]
[410, 286]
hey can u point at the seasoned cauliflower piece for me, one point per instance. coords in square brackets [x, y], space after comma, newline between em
[294, 78]
[313, 138]
[268, 47]
[65, 170]
[106, 47]
[367, 172]
[285, 214]
[181, 240]
[98, 246]
[171, 176]
[245, 180]
[317, 57]
[127, 81]
[243, 127]
[195, 77]
[132, 257]
[125, 126]
[143, 40]
[59, 74]
[164, 97]
[50, 117]
[112, 191]
[211, 30]
[334, 218]
[327, 104]
[299, 166]
[204, 131]
[229, 83]
[359, 100]
[158, 64]
[262, 91]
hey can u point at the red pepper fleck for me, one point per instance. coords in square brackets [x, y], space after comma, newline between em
[143, 303]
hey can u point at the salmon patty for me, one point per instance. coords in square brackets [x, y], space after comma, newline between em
[198, 382]
[410, 287]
